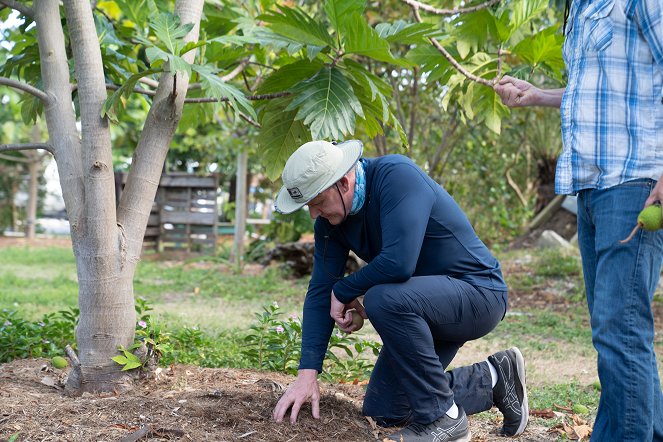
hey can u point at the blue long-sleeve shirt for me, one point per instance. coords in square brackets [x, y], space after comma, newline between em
[408, 226]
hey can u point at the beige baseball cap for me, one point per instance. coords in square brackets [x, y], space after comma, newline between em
[312, 169]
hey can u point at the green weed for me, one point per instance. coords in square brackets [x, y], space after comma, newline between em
[557, 263]
[581, 399]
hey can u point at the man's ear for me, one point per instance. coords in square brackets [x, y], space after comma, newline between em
[344, 183]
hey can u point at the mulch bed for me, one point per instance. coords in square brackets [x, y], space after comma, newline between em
[188, 403]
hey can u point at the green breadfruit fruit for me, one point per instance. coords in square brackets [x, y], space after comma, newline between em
[650, 218]
[59, 362]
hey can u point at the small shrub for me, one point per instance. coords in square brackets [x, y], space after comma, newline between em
[274, 344]
[45, 338]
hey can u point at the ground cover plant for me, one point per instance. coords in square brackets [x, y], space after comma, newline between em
[216, 329]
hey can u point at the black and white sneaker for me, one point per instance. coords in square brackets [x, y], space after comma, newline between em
[444, 429]
[510, 393]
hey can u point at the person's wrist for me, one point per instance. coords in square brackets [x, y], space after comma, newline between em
[307, 373]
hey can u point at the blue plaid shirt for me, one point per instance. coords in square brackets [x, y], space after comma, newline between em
[612, 109]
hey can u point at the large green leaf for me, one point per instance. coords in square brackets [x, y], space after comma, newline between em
[359, 38]
[106, 31]
[327, 104]
[404, 33]
[488, 107]
[170, 31]
[289, 75]
[472, 30]
[31, 108]
[280, 135]
[338, 10]
[517, 14]
[158, 57]
[237, 40]
[430, 61]
[137, 11]
[267, 37]
[370, 86]
[112, 103]
[217, 88]
[543, 50]
[296, 25]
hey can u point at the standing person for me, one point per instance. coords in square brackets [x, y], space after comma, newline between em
[430, 285]
[612, 131]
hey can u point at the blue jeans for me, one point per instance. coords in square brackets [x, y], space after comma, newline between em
[423, 322]
[620, 280]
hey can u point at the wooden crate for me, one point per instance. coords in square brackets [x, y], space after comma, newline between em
[184, 215]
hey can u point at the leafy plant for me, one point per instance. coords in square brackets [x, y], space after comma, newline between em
[274, 344]
[128, 360]
[152, 342]
[47, 337]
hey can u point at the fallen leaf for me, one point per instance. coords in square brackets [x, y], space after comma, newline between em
[50, 382]
[546, 413]
[582, 431]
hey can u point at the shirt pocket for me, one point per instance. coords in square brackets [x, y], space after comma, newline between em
[599, 26]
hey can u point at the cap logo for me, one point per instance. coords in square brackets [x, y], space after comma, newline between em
[295, 193]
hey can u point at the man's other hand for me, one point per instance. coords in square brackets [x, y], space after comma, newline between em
[342, 313]
[304, 389]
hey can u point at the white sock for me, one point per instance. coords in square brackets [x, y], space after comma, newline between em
[493, 373]
[453, 411]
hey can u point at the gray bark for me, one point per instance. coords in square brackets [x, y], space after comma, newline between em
[107, 243]
[240, 207]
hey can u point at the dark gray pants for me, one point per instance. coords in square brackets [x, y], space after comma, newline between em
[423, 322]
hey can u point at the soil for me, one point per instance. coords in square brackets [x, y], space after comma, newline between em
[188, 403]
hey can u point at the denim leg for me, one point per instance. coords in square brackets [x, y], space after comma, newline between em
[620, 283]
[415, 319]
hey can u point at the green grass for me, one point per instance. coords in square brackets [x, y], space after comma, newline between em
[35, 281]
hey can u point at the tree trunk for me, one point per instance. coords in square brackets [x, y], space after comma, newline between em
[107, 243]
[240, 207]
[31, 210]
[34, 170]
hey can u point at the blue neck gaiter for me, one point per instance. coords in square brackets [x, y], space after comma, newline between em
[360, 188]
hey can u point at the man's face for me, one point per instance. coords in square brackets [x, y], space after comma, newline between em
[327, 205]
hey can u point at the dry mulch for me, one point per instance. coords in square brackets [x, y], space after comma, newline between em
[188, 403]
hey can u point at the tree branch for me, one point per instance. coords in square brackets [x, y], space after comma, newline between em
[12, 158]
[414, 98]
[447, 55]
[114, 87]
[235, 72]
[250, 97]
[24, 87]
[23, 9]
[500, 52]
[28, 146]
[437, 11]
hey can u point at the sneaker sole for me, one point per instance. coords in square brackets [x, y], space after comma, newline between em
[467, 438]
[524, 406]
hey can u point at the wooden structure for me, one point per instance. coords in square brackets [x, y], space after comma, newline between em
[184, 214]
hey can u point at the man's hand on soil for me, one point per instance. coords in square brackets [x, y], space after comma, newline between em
[304, 389]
